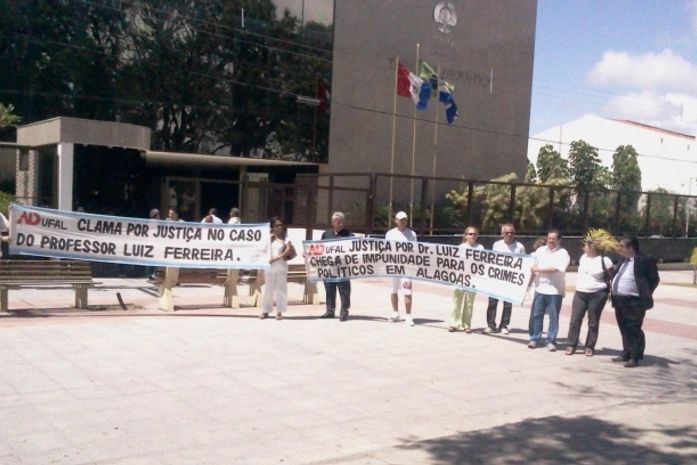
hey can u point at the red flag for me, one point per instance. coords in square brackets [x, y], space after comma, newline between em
[323, 95]
[403, 82]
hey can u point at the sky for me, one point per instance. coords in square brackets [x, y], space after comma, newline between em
[624, 59]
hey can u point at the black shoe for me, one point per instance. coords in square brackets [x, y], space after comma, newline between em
[631, 363]
[343, 316]
[620, 358]
[327, 314]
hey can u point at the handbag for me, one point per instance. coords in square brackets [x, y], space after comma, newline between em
[606, 274]
[291, 252]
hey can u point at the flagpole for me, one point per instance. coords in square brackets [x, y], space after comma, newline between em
[394, 128]
[413, 155]
[435, 157]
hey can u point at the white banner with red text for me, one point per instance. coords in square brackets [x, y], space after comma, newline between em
[501, 275]
[65, 234]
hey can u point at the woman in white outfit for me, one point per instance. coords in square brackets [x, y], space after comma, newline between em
[595, 270]
[277, 275]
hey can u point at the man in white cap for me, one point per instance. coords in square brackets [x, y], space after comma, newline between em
[401, 233]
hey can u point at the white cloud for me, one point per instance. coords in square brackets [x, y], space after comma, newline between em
[651, 71]
[656, 88]
[663, 71]
[674, 111]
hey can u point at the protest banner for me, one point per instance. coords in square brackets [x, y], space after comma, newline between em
[65, 234]
[498, 274]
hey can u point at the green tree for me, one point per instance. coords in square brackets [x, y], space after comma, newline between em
[7, 117]
[661, 212]
[530, 174]
[626, 179]
[492, 203]
[187, 69]
[626, 174]
[551, 165]
[585, 167]
[61, 57]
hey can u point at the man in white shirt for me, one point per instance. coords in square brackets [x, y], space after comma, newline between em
[551, 262]
[401, 233]
[212, 217]
[632, 294]
[510, 245]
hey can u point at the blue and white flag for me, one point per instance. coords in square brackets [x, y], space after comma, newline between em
[445, 95]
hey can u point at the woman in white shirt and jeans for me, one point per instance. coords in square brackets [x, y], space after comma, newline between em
[594, 272]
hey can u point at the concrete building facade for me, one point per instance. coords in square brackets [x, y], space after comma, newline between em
[485, 49]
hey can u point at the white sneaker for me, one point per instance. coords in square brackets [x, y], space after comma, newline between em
[410, 320]
[488, 330]
[394, 318]
[505, 331]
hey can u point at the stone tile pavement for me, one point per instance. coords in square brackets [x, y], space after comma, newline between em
[207, 385]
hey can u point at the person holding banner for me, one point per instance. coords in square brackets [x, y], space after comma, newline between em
[463, 301]
[344, 287]
[401, 233]
[551, 262]
[510, 245]
[277, 275]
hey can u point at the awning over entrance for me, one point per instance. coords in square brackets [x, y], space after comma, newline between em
[197, 160]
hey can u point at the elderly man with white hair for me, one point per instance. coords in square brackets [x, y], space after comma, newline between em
[344, 286]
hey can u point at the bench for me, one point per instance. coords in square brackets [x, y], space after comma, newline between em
[296, 274]
[229, 279]
[15, 274]
[174, 276]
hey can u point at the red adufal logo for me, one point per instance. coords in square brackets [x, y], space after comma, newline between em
[316, 249]
[29, 218]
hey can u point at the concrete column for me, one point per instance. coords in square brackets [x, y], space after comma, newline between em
[65, 175]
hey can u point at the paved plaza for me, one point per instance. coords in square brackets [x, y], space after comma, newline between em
[208, 385]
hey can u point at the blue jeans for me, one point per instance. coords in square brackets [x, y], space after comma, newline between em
[541, 304]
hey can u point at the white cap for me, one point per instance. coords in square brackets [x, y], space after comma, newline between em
[401, 215]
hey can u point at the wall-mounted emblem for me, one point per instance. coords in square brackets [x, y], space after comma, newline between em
[444, 14]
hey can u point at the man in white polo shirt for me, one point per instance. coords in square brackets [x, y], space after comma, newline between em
[401, 233]
[510, 245]
[551, 262]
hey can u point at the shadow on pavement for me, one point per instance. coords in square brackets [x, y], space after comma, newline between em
[555, 440]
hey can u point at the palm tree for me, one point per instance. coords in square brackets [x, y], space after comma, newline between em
[7, 118]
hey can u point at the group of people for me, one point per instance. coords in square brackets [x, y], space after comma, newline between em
[630, 290]
[211, 216]
[629, 285]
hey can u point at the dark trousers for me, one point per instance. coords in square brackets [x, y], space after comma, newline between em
[593, 303]
[491, 313]
[344, 293]
[630, 316]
